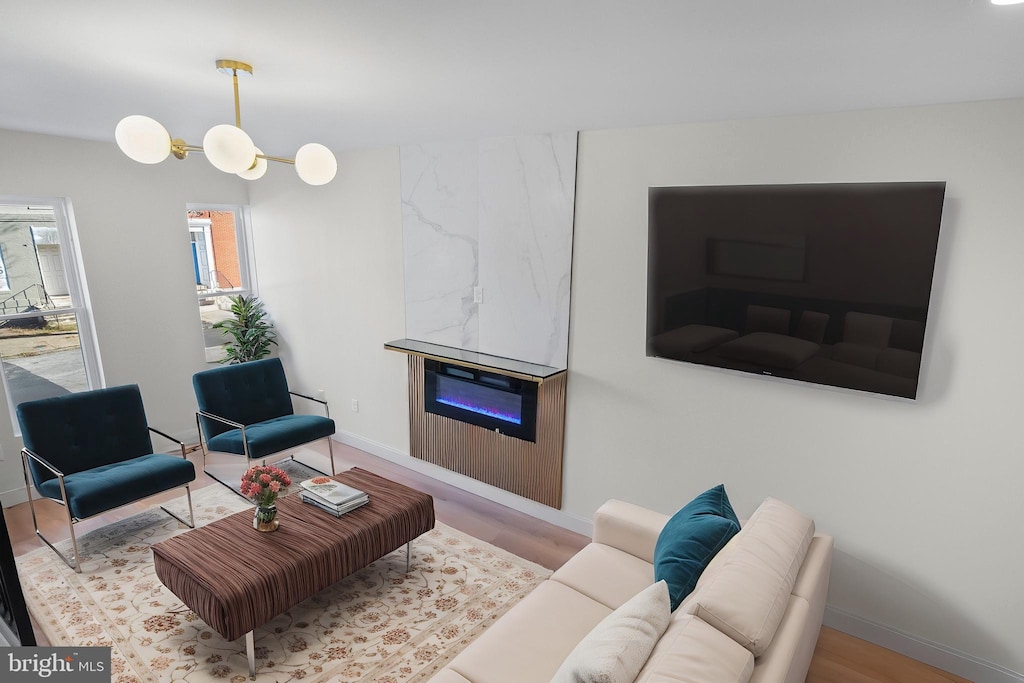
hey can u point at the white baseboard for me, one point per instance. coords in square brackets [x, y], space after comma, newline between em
[934, 654]
[13, 497]
[500, 496]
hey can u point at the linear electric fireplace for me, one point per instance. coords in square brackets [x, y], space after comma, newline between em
[507, 405]
[498, 420]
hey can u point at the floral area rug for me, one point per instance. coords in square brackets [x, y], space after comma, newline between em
[379, 624]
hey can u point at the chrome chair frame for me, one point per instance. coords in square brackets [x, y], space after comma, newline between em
[245, 442]
[72, 521]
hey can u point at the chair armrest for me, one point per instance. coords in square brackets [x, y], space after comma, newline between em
[25, 455]
[630, 528]
[236, 425]
[181, 444]
[218, 418]
[42, 461]
[327, 408]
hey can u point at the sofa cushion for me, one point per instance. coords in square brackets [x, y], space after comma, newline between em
[531, 640]
[110, 486]
[748, 593]
[812, 326]
[856, 354]
[273, 435]
[691, 538]
[867, 329]
[767, 319]
[605, 574]
[766, 348]
[691, 339]
[691, 651]
[618, 647]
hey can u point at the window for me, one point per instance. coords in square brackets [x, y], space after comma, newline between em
[222, 266]
[47, 346]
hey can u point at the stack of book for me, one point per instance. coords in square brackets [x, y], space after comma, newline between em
[331, 496]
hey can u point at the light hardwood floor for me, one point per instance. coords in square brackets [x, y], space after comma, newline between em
[838, 658]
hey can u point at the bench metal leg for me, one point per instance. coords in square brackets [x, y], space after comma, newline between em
[408, 556]
[250, 652]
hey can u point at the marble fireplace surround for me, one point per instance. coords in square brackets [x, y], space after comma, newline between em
[487, 235]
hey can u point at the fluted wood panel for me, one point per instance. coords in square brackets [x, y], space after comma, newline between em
[529, 469]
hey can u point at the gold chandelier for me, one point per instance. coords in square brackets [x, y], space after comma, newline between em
[228, 148]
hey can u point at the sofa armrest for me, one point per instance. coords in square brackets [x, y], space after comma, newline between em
[630, 528]
[448, 676]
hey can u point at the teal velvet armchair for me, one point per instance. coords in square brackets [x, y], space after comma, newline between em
[91, 452]
[246, 409]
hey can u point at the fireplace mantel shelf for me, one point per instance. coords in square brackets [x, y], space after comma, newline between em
[475, 359]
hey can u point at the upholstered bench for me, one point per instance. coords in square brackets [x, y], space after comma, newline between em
[237, 579]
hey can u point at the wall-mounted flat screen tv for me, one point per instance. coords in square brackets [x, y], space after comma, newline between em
[824, 283]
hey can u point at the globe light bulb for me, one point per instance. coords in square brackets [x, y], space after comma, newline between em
[315, 164]
[229, 149]
[143, 139]
[257, 170]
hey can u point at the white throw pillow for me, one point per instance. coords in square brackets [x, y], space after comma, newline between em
[618, 647]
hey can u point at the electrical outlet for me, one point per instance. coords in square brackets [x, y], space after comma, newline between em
[355, 405]
[478, 295]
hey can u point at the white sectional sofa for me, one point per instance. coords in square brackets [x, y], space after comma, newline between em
[754, 615]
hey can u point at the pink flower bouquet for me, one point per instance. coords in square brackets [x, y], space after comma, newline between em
[261, 484]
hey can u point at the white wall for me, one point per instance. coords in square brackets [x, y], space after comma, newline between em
[329, 262]
[923, 497]
[134, 242]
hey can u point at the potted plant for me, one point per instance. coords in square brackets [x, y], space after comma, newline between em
[251, 333]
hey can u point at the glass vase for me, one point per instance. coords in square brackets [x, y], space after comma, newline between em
[265, 518]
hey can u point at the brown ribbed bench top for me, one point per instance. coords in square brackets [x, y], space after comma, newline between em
[236, 578]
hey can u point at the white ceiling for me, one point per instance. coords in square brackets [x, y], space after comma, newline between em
[371, 73]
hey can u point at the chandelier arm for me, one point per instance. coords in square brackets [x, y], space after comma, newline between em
[180, 148]
[280, 159]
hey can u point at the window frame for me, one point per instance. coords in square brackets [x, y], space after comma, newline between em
[81, 306]
[246, 261]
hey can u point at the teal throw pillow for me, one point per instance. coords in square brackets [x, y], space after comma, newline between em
[690, 539]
